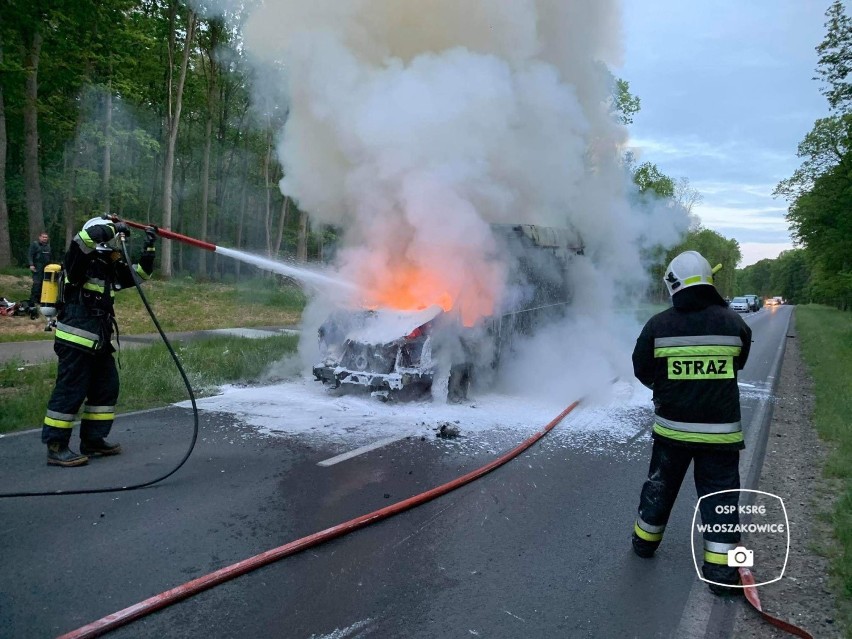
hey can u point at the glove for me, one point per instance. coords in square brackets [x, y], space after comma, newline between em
[121, 227]
[150, 238]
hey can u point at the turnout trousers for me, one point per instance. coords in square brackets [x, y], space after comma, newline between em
[714, 470]
[82, 376]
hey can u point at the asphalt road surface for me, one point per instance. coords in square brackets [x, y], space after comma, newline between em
[538, 548]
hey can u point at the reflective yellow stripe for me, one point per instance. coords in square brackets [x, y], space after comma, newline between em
[694, 351]
[88, 241]
[697, 278]
[93, 287]
[98, 417]
[76, 339]
[699, 438]
[642, 534]
[57, 423]
[716, 558]
[141, 272]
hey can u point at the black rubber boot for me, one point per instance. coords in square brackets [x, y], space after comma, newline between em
[643, 548]
[722, 575]
[99, 447]
[61, 455]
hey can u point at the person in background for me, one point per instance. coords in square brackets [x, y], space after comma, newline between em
[40, 255]
[689, 356]
[94, 269]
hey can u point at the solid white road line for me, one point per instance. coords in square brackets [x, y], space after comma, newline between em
[360, 451]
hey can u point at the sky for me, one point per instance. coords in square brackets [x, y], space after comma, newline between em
[726, 95]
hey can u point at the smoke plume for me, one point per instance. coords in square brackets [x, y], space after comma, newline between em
[414, 125]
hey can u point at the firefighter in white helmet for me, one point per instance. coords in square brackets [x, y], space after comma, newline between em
[689, 355]
[86, 374]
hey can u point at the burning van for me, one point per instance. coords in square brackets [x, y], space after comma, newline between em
[398, 353]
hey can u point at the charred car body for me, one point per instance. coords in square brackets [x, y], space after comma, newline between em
[397, 353]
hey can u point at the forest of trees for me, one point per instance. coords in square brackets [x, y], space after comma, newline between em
[819, 193]
[143, 108]
[140, 108]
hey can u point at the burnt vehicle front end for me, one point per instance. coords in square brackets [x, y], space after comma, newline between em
[383, 351]
[394, 353]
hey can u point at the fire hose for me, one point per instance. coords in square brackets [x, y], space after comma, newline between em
[114, 489]
[750, 592]
[184, 591]
[191, 588]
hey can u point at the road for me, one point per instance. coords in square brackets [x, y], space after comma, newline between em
[538, 548]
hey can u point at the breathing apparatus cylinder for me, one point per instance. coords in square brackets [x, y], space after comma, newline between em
[50, 290]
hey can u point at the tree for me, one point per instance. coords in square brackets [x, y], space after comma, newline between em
[175, 102]
[5, 246]
[624, 104]
[649, 178]
[835, 58]
[823, 148]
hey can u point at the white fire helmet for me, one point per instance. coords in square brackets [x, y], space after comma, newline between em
[114, 243]
[687, 269]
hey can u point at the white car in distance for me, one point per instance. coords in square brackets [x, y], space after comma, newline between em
[739, 304]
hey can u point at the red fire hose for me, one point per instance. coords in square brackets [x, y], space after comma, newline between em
[750, 592]
[167, 234]
[167, 598]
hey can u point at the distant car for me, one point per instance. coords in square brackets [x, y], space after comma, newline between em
[772, 302]
[740, 305]
[753, 302]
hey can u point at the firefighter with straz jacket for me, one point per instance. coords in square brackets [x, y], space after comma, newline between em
[689, 355]
[94, 269]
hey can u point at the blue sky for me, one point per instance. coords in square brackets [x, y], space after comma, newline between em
[727, 94]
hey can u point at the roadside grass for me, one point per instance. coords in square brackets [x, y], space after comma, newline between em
[826, 340]
[149, 378]
[179, 304]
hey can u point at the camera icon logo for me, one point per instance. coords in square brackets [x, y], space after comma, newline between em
[741, 557]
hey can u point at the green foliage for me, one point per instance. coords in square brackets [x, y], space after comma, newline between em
[835, 57]
[24, 390]
[649, 178]
[148, 375]
[826, 340]
[624, 103]
[820, 190]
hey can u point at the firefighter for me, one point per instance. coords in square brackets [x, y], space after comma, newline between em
[94, 269]
[40, 255]
[689, 356]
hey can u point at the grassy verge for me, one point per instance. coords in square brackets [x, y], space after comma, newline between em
[826, 341]
[149, 378]
[180, 305]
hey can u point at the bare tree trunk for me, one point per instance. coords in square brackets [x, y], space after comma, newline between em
[72, 162]
[32, 181]
[105, 174]
[173, 120]
[302, 244]
[5, 244]
[267, 160]
[215, 26]
[282, 220]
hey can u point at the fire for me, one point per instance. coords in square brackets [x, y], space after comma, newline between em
[410, 288]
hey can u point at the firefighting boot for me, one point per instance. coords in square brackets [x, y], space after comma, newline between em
[60, 455]
[99, 447]
[722, 575]
[644, 548]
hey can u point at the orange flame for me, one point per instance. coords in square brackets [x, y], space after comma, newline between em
[410, 287]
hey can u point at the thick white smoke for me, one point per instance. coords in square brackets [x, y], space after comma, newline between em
[414, 124]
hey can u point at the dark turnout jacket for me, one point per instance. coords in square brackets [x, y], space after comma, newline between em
[689, 355]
